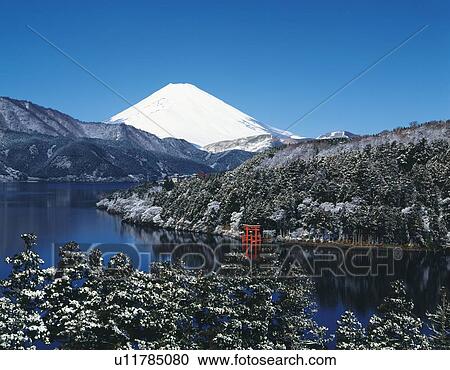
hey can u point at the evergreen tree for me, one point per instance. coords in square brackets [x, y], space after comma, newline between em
[63, 299]
[21, 324]
[394, 326]
[168, 184]
[20, 329]
[25, 284]
[440, 323]
[293, 325]
[350, 334]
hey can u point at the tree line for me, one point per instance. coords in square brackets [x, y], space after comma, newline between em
[394, 193]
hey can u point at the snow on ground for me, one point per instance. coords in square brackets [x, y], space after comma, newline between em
[250, 144]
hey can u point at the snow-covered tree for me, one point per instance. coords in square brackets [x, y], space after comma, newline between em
[63, 299]
[19, 328]
[394, 326]
[440, 323]
[350, 333]
[24, 285]
[21, 324]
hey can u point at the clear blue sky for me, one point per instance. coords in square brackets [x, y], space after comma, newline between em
[272, 59]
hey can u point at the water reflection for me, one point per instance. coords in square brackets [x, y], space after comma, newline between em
[423, 271]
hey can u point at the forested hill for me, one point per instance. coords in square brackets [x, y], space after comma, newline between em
[390, 188]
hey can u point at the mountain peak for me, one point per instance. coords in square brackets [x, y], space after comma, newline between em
[181, 85]
[178, 86]
[184, 111]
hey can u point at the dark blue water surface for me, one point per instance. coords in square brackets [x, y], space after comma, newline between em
[61, 212]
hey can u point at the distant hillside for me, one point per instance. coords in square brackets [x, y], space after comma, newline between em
[43, 143]
[388, 188]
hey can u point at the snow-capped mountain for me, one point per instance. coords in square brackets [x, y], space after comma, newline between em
[337, 135]
[186, 112]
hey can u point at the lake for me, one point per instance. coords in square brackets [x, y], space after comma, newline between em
[61, 212]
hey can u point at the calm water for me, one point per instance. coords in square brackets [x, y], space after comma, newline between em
[62, 212]
[58, 213]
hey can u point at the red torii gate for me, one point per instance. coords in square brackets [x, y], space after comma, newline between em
[251, 240]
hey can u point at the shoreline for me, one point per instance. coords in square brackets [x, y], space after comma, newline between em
[365, 246]
[285, 243]
[66, 181]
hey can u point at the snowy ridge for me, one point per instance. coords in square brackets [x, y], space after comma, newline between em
[251, 144]
[186, 112]
[430, 131]
[337, 135]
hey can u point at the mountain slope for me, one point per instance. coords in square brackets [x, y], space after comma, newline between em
[252, 144]
[27, 117]
[184, 111]
[24, 116]
[85, 159]
[45, 143]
